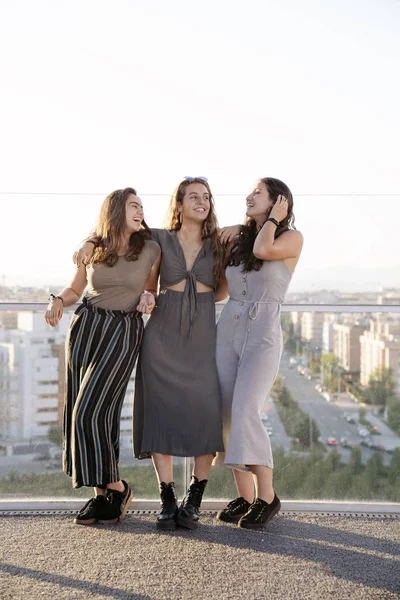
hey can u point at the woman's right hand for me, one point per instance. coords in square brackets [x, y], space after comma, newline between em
[228, 234]
[54, 312]
[83, 255]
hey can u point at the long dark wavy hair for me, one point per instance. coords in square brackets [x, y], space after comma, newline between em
[110, 226]
[173, 222]
[242, 251]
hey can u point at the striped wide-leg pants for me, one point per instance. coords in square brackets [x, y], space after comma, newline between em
[101, 351]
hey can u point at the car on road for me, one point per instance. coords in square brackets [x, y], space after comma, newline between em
[345, 443]
[327, 396]
[319, 388]
[269, 429]
[363, 432]
[332, 441]
[264, 417]
[349, 418]
[293, 360]
[367, 443]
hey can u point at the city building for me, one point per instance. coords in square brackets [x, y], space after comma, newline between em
[380, 348]
[312, 324]
[327, 333]
[346, 345]
[32, 375]
[296, 318]
[389, 296]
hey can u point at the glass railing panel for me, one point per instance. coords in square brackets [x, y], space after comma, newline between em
[31, 408]
[333, 415]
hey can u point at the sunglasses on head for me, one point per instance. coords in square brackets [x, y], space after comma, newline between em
[200, 178]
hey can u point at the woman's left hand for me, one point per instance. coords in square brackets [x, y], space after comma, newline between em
[228, 234]
[146, 304]
[280, 209]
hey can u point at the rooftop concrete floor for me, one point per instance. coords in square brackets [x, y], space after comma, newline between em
[298, 557]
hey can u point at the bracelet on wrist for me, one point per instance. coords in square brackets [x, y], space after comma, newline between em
[53, 297]
[274, 221]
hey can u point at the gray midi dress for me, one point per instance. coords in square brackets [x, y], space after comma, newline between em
[177, 406]
[249, 348]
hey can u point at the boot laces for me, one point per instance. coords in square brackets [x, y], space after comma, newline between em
[236, 504]
[194, 496]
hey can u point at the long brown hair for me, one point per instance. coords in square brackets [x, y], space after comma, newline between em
[110, 225]
[242, 251]
[173, 222]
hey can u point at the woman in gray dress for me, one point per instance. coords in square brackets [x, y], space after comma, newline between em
[249, 345]
[177, 409]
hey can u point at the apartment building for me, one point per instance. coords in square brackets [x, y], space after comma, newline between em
[312, 324]
[346, 345]
[380, 348]
[32, 373]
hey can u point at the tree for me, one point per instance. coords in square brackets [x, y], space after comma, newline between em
[329, 362]
[354, 465]
[374, 474]
[393, 413]
[303, 428]
[315, 364]
[394, 469]
[381, 387]
[286, 398]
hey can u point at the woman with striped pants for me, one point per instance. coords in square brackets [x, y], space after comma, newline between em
[101, 350]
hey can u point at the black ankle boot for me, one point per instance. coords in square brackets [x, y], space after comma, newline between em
[259, 513]
[166, 518]
[189, 510]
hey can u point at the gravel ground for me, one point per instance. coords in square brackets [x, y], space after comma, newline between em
[297, 557]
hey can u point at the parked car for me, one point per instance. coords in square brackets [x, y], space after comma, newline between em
[345, 443]
[327, 396]
[293, 360]
[264, 417]
[350, 420]
[269, 430]
[332, 441]
[367, 443]
[363, 432]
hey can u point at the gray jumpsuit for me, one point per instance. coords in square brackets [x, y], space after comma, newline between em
[249, 348]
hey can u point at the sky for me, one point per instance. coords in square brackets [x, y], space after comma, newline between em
[96, 96]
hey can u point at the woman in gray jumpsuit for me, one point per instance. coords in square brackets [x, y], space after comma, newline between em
[249, 346]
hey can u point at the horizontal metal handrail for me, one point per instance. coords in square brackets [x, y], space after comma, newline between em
[334, 308]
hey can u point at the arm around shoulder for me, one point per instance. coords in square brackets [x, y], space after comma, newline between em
[152, 280]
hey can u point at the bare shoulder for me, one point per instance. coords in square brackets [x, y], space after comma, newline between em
[294, 236]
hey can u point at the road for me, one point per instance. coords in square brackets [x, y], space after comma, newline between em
[329, 415]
